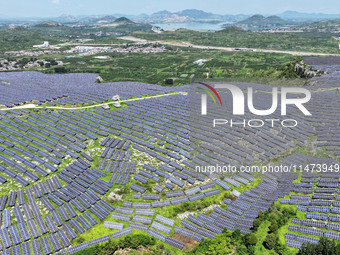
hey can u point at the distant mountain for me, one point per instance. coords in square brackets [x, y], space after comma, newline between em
[66, 18]
[199, 15]
[160, 13]
[120, 22]
[97, 20]
[165, 16]
[125, 25]
[188, 15]
[49, 23]
[235, 18]
[299, 16]
[259, 21]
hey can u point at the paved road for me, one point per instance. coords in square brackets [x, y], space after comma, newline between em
[185, 44]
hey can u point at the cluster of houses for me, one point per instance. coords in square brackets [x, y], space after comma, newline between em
[6, 65]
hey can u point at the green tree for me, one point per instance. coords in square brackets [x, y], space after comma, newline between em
[236, 235]
[256, 223]
[324, 247]
[270, 241]
[169, 82]
[242, 250]
[250, 239]
[274, 227]
[60, 69]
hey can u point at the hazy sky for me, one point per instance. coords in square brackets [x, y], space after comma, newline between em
[51, 8]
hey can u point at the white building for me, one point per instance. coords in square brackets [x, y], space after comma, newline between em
[46, 44]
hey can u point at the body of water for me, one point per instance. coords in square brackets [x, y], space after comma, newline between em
[192, 26]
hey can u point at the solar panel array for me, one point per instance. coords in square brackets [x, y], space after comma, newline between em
[35, 144]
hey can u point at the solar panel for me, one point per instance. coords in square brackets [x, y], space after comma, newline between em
[75, 224]
[14, 234]
[179, 200]
[183, 231]
[121, 217]
[107, 205]
[206, 233]
[332, 235]
[122, 233]
[101, 209]
[294, 228]
[124, 210]
[45, 245]
[174, 243]
[89, 217]
[18, 214]
[189, 225]
[156, 234]
[63, 213]
[141, 205]
[137, 188]
[55, 243]
[161, 227]
[85, 224]
[70, 232]
[6, 216]
[6, 252]
[212, 192]
[57, 218]
[198, 237]
[12, 198]
[6, 241]
[141, 219]
[196, 197]
[78, 247]
[63, 238]
[138, 226]
[26, 248]
[36, 247]
[23, 231]
[113, 225]
[294, 244]
[33, 228]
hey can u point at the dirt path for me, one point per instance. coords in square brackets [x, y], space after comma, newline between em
[33, 106]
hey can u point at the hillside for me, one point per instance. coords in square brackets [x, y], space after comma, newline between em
[332, 26]
[121, 26]
[239, 38]
[20, 39]
[53, 29]
[232, 30]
